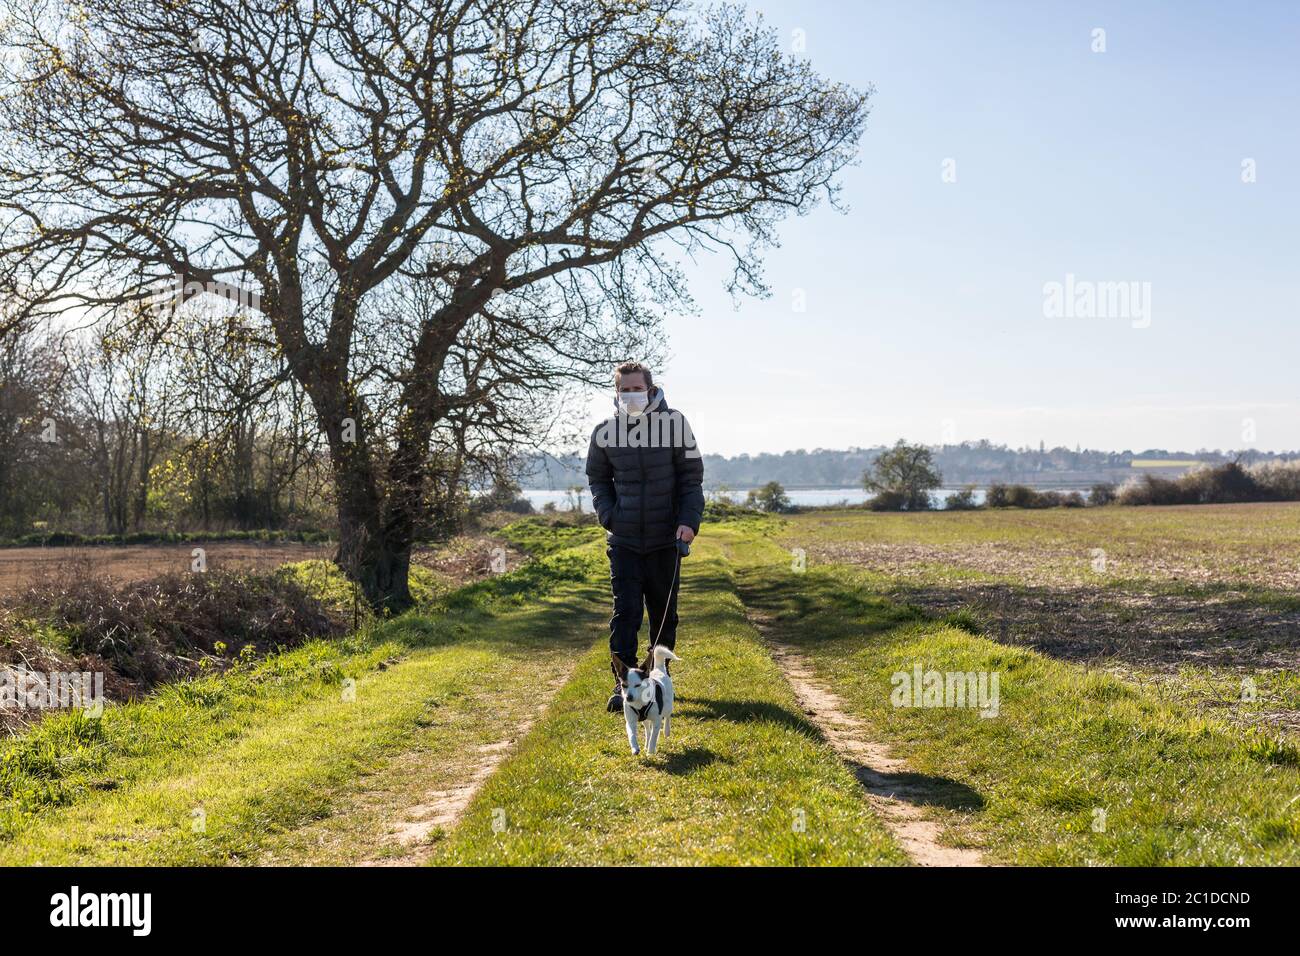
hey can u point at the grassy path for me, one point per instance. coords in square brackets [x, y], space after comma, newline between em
[745, 778]
[902, 798]
[271, 764]
[1077, 767]
[359, 751]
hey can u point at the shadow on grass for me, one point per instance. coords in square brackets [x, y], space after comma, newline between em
[922, 790]
[745, 711]
[802, 607]
[681, 763]
[918, 789]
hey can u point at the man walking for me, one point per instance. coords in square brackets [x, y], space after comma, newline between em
[646, 478]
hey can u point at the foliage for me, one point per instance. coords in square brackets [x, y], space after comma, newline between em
[770, 498]
[902, 478]
[963, 500]
[1022, 496]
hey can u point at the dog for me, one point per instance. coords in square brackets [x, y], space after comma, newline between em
[648, 695]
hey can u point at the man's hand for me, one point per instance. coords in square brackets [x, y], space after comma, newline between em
[685, 533]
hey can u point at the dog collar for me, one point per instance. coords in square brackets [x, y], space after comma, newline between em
[643, 712]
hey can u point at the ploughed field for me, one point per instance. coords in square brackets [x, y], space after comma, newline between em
[1202, 602]
[1157, 587]
[465, 558]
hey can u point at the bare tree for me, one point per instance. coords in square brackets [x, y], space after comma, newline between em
[535, 168]
[35, 465]
[122, 404]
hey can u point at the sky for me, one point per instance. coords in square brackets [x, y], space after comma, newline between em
[1004, 153]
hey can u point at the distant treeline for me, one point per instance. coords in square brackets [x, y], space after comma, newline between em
[979, 463]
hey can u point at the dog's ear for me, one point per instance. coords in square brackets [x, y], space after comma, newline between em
[620, 669]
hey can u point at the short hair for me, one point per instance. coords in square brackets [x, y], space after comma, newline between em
[627, 368]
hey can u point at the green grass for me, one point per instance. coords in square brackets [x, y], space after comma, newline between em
[539, 536]
[744, 779]
[1177, 786]
[269, 747]
[284, 769]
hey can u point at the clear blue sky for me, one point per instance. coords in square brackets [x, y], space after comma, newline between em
[925, 315]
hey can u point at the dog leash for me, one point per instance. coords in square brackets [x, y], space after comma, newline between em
[676, 572]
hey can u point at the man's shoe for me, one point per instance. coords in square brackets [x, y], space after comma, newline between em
[615, 704]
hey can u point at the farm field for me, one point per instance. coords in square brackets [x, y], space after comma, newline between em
[20, 567]
[475, 733]
[1153, 587]
[465, 558]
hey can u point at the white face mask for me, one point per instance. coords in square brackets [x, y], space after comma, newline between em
[633, 403]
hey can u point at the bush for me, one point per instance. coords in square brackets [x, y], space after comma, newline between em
[1228, 483]
[963, 500]
[1101, 494]
[1022, 496]
[157, 630]
[1280, 480]
[503, 496]
[725, 510]
[888, 501]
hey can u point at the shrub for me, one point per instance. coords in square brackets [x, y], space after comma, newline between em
[1022, 496]
[1102, 493]
[720, 510]
[503, 496]
[1228, 483]
[888, 501]
[963, 500]
[1280, 480]
[157, 630]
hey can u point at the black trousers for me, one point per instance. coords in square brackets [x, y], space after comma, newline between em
[642, 582]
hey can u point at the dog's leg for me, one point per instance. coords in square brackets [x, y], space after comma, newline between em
[630, 717]
[652, 736]
[668, 723]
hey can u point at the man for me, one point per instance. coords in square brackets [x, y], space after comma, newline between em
[646, 478]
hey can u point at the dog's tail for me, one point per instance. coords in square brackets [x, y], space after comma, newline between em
[664, 654]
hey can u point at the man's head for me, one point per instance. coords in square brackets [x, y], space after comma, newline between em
[633, 377]
[633, 385]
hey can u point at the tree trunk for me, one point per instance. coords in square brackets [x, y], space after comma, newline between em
[376, 558]
[373, 551]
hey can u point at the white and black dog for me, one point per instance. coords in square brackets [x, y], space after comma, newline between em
[648, 695]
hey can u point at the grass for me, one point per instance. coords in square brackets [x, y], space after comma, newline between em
[744, 779]
[281, 762]
[264, 749]
[1068, 745]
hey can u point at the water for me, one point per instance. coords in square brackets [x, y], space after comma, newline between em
[807, 497]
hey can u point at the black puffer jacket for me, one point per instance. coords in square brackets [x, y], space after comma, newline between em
[646, 476]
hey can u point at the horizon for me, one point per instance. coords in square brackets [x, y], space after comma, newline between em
[1226, 453]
